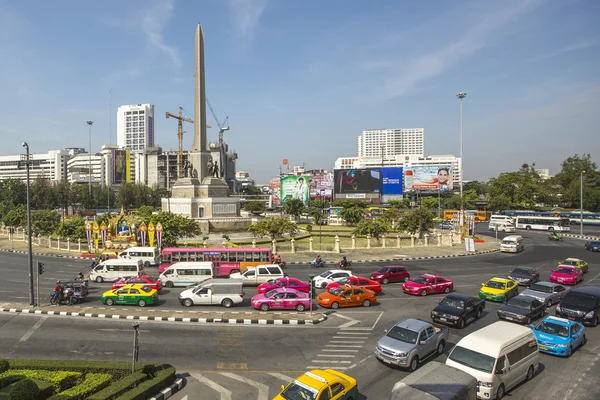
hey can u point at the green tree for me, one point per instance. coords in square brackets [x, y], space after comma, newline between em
[273, 228]
[403, 204]
[255, 206]
[72, 228]
[430, 203]
[320, 203]
[42, 194]
[318, 215]
[350, 203]
[294, 207]
[14, 191]
[417, 220]
[145, 212]
[251, 190]
[376, 227]
[521, 188]
[481, 188]
[352, 215]
[175, 227]
[568, 182]
[127, 195]
[45, 222]
[16, 217]
[392, 216]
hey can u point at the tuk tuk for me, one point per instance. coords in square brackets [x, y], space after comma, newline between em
[80, 290]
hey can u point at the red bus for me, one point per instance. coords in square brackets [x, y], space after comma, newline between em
[225, 261]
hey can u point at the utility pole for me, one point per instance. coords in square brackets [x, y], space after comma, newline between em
[26, 159]
[581, 203]
[461, 219]
[90, 122]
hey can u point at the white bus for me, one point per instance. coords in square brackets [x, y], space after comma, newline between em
[544, 223]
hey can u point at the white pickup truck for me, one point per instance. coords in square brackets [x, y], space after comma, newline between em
[260, 274]
[210, 292]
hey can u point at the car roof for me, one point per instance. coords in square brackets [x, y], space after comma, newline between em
[318, 378]
[567, 266]
[430, 276]
[523, 297]
[559, 321]
[546, 283]
[572, 259]
[522, 267]
[335, 271]
[591, 290]
[459, 296]
[413, 324]
[491, 339]
[502, 280]
[133, 286]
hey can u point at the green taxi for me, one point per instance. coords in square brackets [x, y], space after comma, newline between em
[130, 295]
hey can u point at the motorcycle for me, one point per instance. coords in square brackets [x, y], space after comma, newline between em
[58, 299]
[320, 264]
[556, 237]
[282, 264]
[346, 265]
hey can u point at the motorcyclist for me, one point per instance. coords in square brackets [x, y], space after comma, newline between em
[277, 259]
[344, 263]
[317, 262]
[58, 289]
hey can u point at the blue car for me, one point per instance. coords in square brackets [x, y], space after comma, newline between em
[559, 336]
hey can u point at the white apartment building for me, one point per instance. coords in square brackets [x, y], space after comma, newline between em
[78, 168]
[135, 127]
[385, 143]
[51, 165]
[544, 173]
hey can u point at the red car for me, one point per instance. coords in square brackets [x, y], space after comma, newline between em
[286, 281]
[145, 280]
[567, 275]
[389, 274]
[357, 281]
[428, 284]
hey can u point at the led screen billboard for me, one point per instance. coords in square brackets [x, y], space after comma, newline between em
[428, 178]
[321, 186]
[392, 181]
[350, 181]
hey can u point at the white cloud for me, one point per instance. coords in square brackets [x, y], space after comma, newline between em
[153, 22]
[246, 14]
[567, 49]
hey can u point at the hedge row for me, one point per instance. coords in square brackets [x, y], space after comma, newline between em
[46, 388]
[24, 389]
[116, 369]
[119, 387]
[91, 384]
[161, 380]
[4, 366]
[61, 380]
[9, 380]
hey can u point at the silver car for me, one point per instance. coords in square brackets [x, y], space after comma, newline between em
[547, 292]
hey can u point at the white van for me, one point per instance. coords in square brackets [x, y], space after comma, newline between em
[113, 269]
[502, 226]
[226, 292]
[148, 255]
[501, 218]
[512, 244]
[187, 273]
[499, 356]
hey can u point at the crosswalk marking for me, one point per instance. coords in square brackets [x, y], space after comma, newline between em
[263, 390]
[341, 351]
[341, 368]
[331, 361]
[342, 345]
[337, 355]
[281, 376]
[225, 394]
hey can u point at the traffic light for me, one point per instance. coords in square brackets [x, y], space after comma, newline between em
[40, 267]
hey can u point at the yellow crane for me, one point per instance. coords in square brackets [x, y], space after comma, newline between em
[180, 119]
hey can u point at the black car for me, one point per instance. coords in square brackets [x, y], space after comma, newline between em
[581, 304]
[592, 245]
[458, 310]
[524, 275]
[522, 309]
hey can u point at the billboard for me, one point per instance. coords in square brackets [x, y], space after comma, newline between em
[392, 181]
[121, 167]
[321, 186]
[275, 187]
[432, 178]
[354, 181]
[294, 187]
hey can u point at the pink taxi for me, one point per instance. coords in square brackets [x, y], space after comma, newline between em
[282, 299]
[288, 282]
[428, 284]
[567, 275]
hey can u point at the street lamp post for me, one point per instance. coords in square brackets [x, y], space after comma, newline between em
[26, 159]
[581, 203]
[90, 122]
[461, 96]
[136, 346]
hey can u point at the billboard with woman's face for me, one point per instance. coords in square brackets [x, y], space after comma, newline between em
[432, 178]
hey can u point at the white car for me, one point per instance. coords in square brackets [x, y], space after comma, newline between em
[333, 275]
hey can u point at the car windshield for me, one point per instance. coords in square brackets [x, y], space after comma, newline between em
[325, 274]
[345, 280]
[420, 279]
[151, 279]
[552, 328]
[336, 291]
[146, 289]
[270, 293]
[540, 288]
[299, 391]
[568, 271]
[453, 303]
[580, 299]
[495, 285]
[383, 270]
[403, 335]
[472, 359]
[521, 271]
[570, 262]
[274, 281]
[519, 303]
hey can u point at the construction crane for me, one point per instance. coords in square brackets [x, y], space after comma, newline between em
[180, 119]
[222, 127]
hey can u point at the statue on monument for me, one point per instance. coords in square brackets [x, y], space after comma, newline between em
[216, 170]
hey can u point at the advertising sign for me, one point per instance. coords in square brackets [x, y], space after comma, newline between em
[275, 190]
[294, 187]
[321, 186]
[350, 181]
[428, 178]
[392, 180]
[121, 167]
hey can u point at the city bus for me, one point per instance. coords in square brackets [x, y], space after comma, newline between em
[530, 213]
[543, 223]
[589, 218]
[225, 261]
[477, 215]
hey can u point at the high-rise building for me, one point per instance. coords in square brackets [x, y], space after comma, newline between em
[391, 142]
[51, 165]
[135, 127]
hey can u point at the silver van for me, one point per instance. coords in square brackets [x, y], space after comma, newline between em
[512, 244]
[187, 273]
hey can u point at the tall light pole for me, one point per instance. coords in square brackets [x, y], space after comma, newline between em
[27, 160]
[90, 122]
[581, 203]
[461, 96]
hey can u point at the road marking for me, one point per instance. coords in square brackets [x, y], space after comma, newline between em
[320, 366]
[337, 355]
[263, 390]
[281, 376]
[353, 333]
[119, 330]
[225, 394]
[31, 331]
[345, 345]
[349, 337]
[465, 285]
[377, 321]
[341, 351]
[331, 361]
[356, 329]
[347, 341]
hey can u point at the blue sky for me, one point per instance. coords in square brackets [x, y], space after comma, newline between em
[301, 79]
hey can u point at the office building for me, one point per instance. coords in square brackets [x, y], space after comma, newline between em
[385, 143]
[135, 127]
[51, 165]
[78, 168]
[544, 173]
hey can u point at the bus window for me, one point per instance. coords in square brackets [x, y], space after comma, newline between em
[184, 256]
[175, 257]
[248, 257]
[264, 256]
[192, 256]
[166, 257]
[256, 256]
[231, 256]
[224, 256]
[200, 256]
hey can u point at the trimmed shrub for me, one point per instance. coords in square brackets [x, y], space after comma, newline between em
[161, 380]
[9, 380]
[4, 366]
[116, 369]
[46, 388]
[61, 380]
[119, 387]
[25, 389]
[91, 384]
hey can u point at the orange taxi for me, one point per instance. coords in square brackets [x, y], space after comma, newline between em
[346, 296]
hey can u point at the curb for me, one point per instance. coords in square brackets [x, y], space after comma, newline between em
[409, 258]
[230, 321]
[171, 390]
[46, 254]
[581, 237]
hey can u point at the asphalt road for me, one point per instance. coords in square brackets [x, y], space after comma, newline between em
[243, 362]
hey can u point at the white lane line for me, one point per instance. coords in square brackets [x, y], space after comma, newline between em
[331, 362]
[355, 329]
[465, 285]
[320, 366]
[263, 390]
[345, 345]
[281, 376]
[31, 331]
[337, 355]
[348, 337]
[343, 316]
[346, 341]
[225, 394]
[352, 333]
[377, 321]
[341, 351]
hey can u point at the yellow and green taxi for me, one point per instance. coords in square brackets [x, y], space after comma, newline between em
[498, 289]
[130, 294]
[320, 384]
[577, 263]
